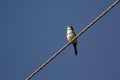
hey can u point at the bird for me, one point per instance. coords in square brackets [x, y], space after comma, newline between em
[70, 35]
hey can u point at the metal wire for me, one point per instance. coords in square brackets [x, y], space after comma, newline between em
[67, 44]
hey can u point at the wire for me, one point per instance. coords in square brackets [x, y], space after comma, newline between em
[67, 44]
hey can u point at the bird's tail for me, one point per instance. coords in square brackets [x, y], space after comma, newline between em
[75, 48]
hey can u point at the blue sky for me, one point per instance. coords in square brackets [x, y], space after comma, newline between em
[33, 30]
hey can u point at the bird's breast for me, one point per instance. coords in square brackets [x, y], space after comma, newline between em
[70, 36]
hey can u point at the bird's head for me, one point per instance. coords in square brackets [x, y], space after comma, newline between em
[69, 27]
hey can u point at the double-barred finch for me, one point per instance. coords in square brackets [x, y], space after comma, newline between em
[70, 36]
